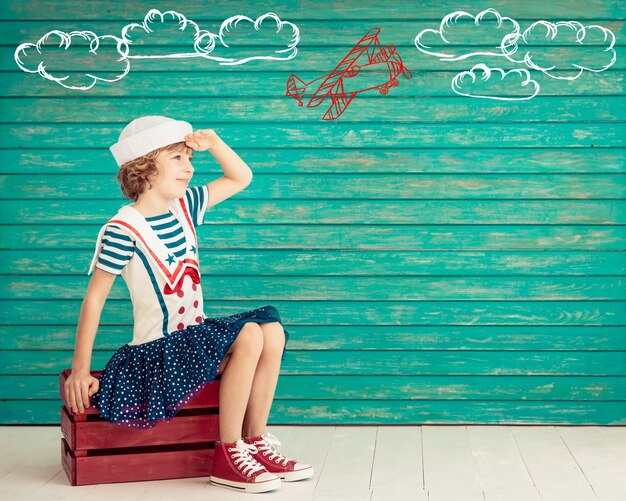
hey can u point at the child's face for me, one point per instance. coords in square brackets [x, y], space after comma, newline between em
[174, 172]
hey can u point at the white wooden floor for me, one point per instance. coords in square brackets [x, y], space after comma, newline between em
[373, 463]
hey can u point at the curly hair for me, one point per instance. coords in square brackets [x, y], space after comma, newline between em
[133, 176]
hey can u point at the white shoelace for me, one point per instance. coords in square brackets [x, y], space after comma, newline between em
[268, 447]
[243, 459]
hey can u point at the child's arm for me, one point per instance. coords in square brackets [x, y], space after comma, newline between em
[237, 174]
[80, 385]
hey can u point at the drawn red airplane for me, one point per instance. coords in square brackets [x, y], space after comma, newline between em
[378, 58]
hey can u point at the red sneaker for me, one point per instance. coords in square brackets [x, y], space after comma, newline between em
[235, 467]
[287, 469]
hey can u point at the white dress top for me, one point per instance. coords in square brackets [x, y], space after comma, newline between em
[165, 290]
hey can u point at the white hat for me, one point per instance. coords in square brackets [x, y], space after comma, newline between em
[147, 134]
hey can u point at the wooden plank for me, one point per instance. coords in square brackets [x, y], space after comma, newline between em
[538, 388]
[348, 465]
[176, 462]
[32, 459]
[449, 468]
[370, 412]
[427, 412]
[361, 337]
[343, 135]
[434, 82]
[393, 387]
[596, 452]
[352, 288]
[283, 262]
[397, 471]
[546, 313]
[309, 58]
[351, 212]
[185, 429]
[319, 32]
[547, 187]
[394, 109]
[550, 463]
[288, 160]
[407, 362]
[308, 445]
[311, 236]
[350, 9]
[501, 470]
[186, 462]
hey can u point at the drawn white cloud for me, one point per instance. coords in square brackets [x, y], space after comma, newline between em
[227, 38]
[155, 25]
[37, 57]
[481, 80]
[524, 47]
[33, 57]
[202, 42]
[455, 23]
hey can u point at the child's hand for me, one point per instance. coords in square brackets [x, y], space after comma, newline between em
[79, 386]
[201, 140]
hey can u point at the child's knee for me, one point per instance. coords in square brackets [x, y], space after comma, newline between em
[273, 338]
[250, 339]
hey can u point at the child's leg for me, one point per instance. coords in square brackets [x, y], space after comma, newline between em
[265, 379]
[259, 404]
[236, 381]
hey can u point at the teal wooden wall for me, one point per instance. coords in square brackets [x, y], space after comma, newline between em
[436, 258]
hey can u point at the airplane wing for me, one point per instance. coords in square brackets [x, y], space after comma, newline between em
[373, 48]
[344, 65]
[383, 54]
[340, 101]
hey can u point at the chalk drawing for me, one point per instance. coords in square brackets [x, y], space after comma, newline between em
[457, 22]
[34, 57]
[55, 38]
[465, 83]
[156, 23]
[231, 24]
[341, 86]
[550, 48]
[520, 48]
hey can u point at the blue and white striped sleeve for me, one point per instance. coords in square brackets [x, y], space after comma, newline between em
[117, 250]
[197, 198]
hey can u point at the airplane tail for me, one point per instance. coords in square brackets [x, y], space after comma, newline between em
[296, 88]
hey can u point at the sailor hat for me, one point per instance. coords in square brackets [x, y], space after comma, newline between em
[146, 134]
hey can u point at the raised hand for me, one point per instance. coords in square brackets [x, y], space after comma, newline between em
[201, 140]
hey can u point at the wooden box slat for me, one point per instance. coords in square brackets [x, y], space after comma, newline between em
[101, 434]
[189, 460]
[207, 397]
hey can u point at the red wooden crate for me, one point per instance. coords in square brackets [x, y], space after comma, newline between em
[95, 451]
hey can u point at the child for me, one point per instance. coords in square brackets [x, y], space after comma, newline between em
[175, 348]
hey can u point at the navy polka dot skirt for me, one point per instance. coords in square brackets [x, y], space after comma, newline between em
[144, 384]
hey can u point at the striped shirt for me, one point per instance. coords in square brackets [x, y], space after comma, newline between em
[118, 248]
